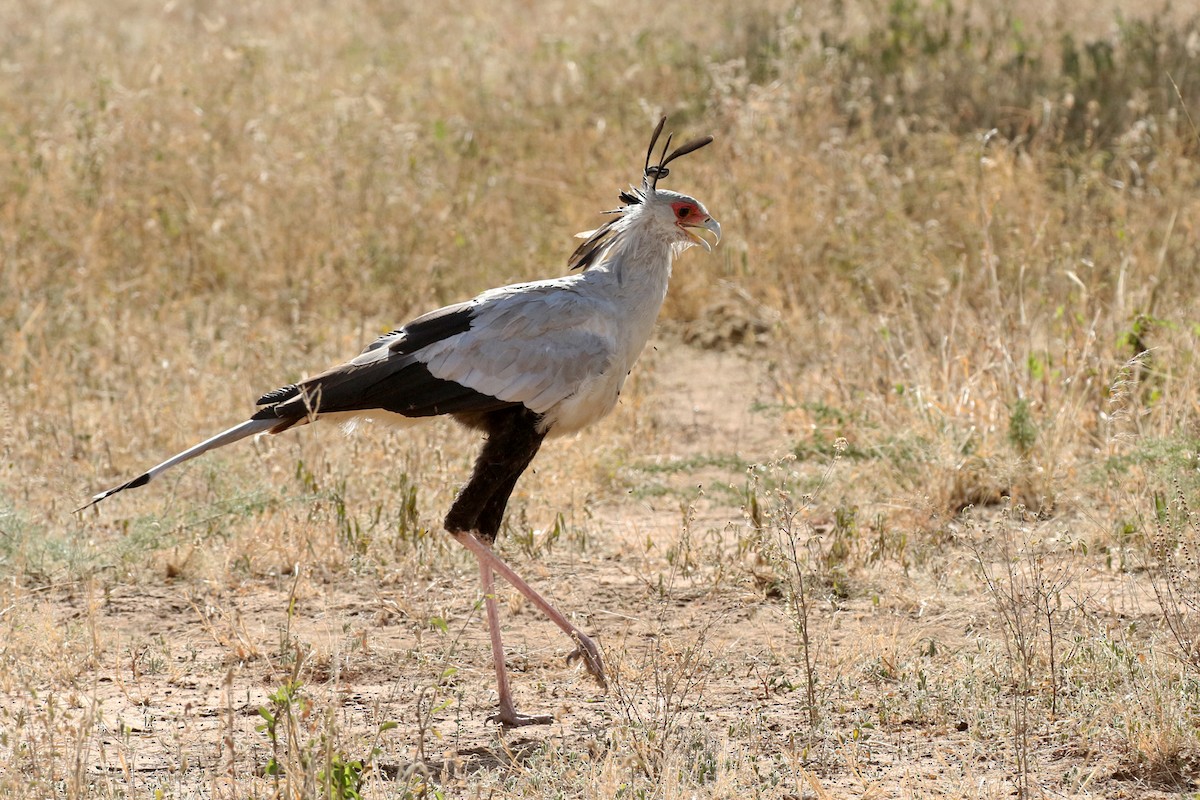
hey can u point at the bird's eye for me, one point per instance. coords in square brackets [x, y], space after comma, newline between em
[684, 211]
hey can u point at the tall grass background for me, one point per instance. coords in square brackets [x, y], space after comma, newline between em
[972, 227]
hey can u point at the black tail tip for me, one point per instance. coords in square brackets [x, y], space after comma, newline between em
[140, 480]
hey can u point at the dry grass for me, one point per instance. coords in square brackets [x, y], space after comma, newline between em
[964, 240]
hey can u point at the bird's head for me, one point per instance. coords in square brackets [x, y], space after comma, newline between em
[671, 217]
[678, 218]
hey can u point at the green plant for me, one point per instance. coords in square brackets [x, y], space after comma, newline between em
[282, 709]
[1022, 431]
[300, 763]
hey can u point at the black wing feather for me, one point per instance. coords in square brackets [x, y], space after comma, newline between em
[427, 329]
[586, 254]
[399, 383]
[277, 396]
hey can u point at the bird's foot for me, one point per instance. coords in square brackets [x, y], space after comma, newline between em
[511, 718]
[590, 653]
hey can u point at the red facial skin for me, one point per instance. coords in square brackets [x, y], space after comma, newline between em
[688, 214]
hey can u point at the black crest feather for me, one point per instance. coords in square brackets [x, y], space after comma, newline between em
[586, 254]
[653, 172]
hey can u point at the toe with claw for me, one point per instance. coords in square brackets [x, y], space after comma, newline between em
[515, 719]
[587, 650]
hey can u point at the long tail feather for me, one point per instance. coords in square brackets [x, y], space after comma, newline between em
[237, 432]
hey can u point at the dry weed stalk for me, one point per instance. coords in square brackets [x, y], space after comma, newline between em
[1026, 582]
[660, 692]
[1175, 572]
[788, 540]
[794, 550]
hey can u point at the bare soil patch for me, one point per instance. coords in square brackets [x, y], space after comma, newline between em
[162, 681]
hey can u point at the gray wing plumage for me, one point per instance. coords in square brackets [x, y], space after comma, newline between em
[530, 344]
[535, 345]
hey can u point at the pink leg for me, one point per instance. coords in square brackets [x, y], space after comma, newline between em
[508, 716]
[488, 560]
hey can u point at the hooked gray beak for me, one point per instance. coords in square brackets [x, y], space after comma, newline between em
[709, 224]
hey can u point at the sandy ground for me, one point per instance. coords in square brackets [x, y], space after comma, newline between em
[159, 686]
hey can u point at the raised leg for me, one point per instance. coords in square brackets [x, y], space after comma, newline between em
[474, 520]
[585, 647]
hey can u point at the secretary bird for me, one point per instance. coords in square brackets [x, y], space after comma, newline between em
[518, 363]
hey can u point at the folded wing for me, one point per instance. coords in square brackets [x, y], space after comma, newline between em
[533, 345]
